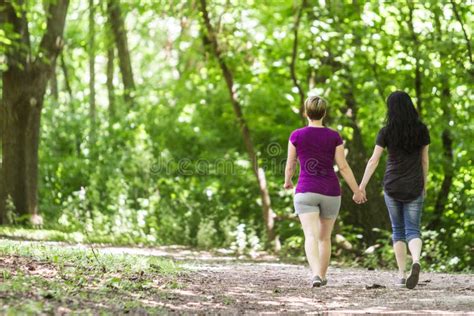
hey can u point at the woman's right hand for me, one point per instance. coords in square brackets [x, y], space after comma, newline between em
[288, 185]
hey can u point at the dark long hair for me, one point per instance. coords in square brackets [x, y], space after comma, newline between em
[403, 127]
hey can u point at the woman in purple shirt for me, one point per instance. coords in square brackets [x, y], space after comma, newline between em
[318, 194]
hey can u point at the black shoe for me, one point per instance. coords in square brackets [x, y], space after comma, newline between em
[412, 280]
[318, 282]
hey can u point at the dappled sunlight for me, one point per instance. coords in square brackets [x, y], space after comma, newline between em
[387, 311]
[150, 149]
[214, 284]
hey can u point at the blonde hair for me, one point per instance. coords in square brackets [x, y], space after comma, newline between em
[315, 107]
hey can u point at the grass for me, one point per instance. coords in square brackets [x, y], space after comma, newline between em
[35, 234]
[56, 235]
[44, 278]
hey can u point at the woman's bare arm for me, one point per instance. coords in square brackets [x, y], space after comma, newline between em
[346, 172]
[290, 166]
[371, 166]
[425, 163]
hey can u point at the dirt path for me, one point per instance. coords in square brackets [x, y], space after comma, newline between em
[220, 283]
[265, 287]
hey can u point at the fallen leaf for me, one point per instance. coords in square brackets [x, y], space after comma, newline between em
[374, 286]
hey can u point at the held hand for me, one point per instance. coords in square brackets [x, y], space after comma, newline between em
[288, 185]
[364, 194]
[359, 197]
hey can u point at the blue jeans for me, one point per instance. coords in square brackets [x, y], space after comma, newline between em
[405, 218]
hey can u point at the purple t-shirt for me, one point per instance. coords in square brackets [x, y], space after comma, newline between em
[316, 148]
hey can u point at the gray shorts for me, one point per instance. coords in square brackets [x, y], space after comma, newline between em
[308, 202]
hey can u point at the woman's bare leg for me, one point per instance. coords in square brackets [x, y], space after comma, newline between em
[324, 238]
[310, 222]
[400, 249]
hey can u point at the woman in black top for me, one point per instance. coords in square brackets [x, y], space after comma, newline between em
[407, 140]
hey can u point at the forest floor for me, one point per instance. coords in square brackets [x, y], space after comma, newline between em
[58, 278]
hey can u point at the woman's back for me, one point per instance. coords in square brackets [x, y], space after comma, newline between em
[403, 178]
[315, 148]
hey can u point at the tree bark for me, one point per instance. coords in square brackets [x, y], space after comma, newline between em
[466, 38]
[267, 212]
[117, 23]
[53, 83]
[92, 107]
[364, 215]
[110, 82]
[293, 61]
[447, 141]
[416, 53]
[66, 76]
[24, 86]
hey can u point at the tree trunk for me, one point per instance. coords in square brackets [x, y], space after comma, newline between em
[66, 76]
[267, 211]
[447, 141]
[53, 83]
[92, 108]
[416, 52]
[372, 214]
[110, 82]
[24, 86]
[116, 21]
[443, 194]
[294, 57]
[466, 38]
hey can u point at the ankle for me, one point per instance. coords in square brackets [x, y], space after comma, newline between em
[317, 275]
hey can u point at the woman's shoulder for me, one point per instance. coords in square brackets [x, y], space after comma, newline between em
[335, 136]
[298, 130]
[424, 127]
[383, 129]
[332, 131]
[294, 136]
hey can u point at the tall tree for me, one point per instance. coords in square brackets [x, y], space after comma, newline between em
[65, 75]
[53, 84]
[117, 23]
[24, 86]
[466, 37]
[446, 138]
[110, 81]
[415, 43]
[294, 57]
[268, 214]
[359, 215]
[91, 53]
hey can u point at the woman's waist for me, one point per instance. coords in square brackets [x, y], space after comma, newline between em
[331, 188]
[318, 174]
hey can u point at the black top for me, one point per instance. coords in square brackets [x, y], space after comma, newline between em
[403, 180]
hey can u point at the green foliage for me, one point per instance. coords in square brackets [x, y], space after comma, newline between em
[154, 175]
